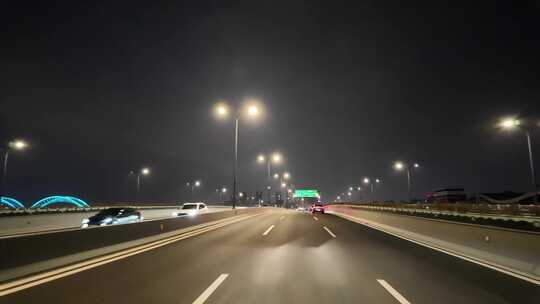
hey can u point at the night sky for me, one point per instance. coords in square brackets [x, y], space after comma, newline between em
[99, 89]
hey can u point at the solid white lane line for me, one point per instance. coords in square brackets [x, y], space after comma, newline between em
[482, 262]
[315, 218]
[393, 292]
[329, 232]
[268, 230]
[282, 217]
[210, 290]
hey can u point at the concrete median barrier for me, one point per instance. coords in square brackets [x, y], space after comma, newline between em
[511, 251]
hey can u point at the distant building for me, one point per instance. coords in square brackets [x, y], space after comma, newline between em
[448, 195]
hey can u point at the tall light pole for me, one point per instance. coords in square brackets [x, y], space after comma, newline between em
[282, 178]
[192, 185]
[222, 110]
[511, 124]
[275, 158]
[400, 166]
[371, 182]
[139, 174]
[220, 193]
[17, 145]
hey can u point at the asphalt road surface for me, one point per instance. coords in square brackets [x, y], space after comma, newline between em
[286, 257]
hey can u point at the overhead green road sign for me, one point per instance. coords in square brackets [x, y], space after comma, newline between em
[306, 193]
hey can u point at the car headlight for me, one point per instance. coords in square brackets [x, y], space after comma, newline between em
[85, 221]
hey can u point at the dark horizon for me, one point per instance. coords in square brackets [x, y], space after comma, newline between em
[102, 89]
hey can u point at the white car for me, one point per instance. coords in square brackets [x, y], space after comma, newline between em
[191, 209]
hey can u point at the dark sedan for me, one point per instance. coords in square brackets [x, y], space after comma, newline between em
[113, 216]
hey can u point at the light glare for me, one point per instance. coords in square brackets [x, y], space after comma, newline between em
[18, 144]
[253, 111]
[276, 158]
[509, 123]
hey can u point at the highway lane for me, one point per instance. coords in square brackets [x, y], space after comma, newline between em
[297, 261]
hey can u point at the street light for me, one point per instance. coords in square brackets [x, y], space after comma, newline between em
[193, 185]
[399, 166]
[144, 171]
[251, 110]
[220, 193]
[276, 157]
[373, 181]
[512, 124]
[14, 145]
[273, 158]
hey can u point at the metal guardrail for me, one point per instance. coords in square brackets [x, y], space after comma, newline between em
[464, 208]
[524, 217]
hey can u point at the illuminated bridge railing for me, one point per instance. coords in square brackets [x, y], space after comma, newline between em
[11, 202]
[45, 202]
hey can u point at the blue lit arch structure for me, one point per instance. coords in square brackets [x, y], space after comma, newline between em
[11, 202]
[60, 199]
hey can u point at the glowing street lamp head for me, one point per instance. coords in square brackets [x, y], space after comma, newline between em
[286, 175]
[338, 197]
[197, 183]
[276, 158]
[399, 165]
[224, 190]
[509, 123]
[351, 188]
[253, 110]
[18, 144]
[283, 185]
[145, 171]
[261, 158]
[377, 180]
[366, 180]
[416, 165]
[349, 193]
[221, 110]
[276, 176]
[241, 194]
[359, 188]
